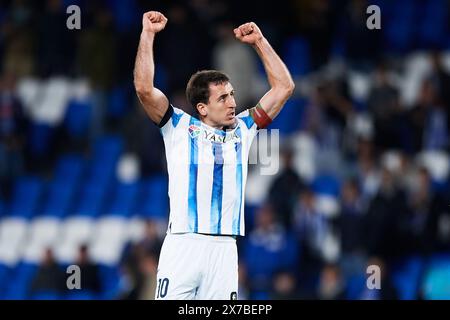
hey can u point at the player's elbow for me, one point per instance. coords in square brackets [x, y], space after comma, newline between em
[142, 89]
[287, 89]
[290, 88]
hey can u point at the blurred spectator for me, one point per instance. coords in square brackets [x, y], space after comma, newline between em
[331, 284]
[139, 264]
[312, 228]
[49, 278]
[362, 45]
[314, 231]
[384, 105]
[269, 248]
[143, 139]
[151, 242]
[13, 126]
[238, 61]
[97, 51]
[367, 171]
[90, 272]
[243, 285]
[55, 41]
[338, 104]
[97, 60]
[148, 267]
[285, 188]
[381, 220]
[350, 226]
[19, 40]
[317, 21]
[413, 233]
[440, 78]
[284, 286]
[428, 121]
[182, 33]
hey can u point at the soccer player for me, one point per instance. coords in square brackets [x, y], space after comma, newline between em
[207, 156]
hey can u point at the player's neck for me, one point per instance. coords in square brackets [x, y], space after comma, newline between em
[211, 124]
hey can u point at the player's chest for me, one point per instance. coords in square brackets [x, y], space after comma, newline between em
[213, 146]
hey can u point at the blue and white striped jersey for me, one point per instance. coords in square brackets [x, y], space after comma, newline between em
[207, 173]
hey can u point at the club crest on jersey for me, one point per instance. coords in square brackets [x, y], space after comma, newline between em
[194, 131]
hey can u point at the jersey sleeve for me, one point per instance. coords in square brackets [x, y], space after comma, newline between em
[170, 121]
[250, 128]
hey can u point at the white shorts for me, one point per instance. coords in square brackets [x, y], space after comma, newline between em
[197, 267]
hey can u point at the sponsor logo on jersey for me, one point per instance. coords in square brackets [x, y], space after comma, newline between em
[217, 138]
[194, 131]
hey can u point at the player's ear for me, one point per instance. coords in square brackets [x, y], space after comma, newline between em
[202, 110]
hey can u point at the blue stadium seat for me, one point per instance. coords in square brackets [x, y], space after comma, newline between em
[161, 78]
[118, 102]
[77, 119]
[250, 216]
[406, 275]
[398, 21]
[289, 121]
[263, 255]
[2, 207]
[91, 199]
[59, 199]
[109, 146]
[46, 295]
[102, 173]
[20, 281]
[296, 56]
[436, 281]
[355, 286]
[67, 3]
[40, 136]
[155, 201]
[433, 24]
[125, 199]
[81, 294]
[26, 196]
[326, 185]
[5, 274]
[106, 153]
[101, 168]
[69, 168]
[126, 14]
[110, 281]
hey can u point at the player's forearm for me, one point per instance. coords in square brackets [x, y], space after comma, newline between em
[144, 69]
[277, 73]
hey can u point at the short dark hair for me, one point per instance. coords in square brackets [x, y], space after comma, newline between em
[197, 90]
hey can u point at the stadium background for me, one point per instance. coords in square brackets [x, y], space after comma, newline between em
[364, 178]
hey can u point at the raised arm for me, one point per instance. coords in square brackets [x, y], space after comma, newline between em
[152, 99]
[280, 80]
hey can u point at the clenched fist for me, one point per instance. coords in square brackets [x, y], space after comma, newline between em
[248, 33]
[153, 21]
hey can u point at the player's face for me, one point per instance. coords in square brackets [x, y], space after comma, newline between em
[221, 108]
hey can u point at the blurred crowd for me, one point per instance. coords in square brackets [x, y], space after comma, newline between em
[364, 141]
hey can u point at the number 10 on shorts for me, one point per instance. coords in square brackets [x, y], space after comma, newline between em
[163, 285]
